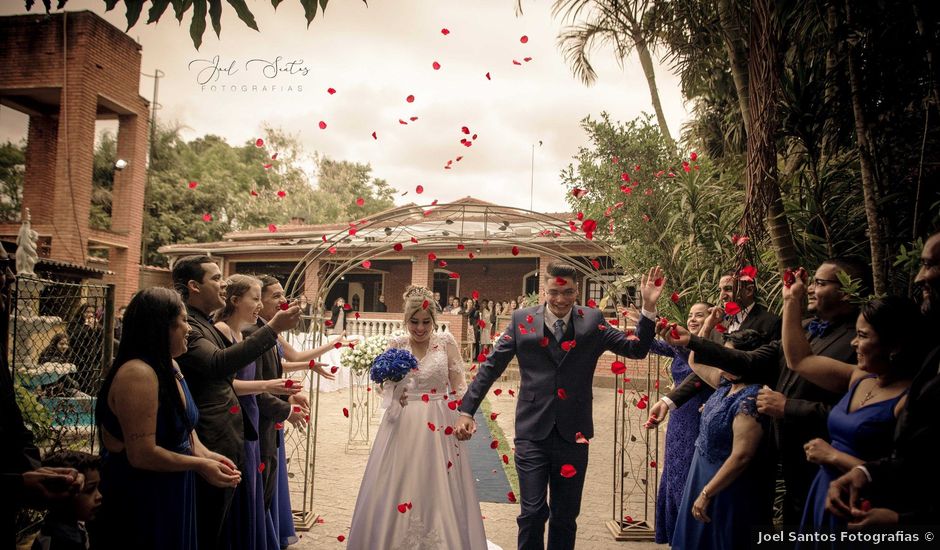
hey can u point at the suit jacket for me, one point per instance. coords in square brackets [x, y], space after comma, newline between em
[546, 369]
[908, 478]
[272, 408]
[209, 366]
[759, 319]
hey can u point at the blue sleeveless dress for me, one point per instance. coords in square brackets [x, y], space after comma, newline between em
[143, 509]
[281, 510]
[249, 525]
[747, 502]
[681, 433]
[866, 433]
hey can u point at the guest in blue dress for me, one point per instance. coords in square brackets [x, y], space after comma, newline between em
[150, 452]
[249, 524]
[861, 425]
[681, 434]
[729, 488]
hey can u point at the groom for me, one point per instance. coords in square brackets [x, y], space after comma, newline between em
[558, 345]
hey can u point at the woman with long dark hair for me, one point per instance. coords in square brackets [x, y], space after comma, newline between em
[146, 417]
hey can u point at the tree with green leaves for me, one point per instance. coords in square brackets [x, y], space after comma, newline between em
[12, 168]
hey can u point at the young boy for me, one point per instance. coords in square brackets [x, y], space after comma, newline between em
[64, 525]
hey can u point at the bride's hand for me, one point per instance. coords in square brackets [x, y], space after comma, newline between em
[465, 428]
[404, 398]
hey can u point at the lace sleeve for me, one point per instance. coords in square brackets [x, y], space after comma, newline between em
[748, 402]
[456, 370]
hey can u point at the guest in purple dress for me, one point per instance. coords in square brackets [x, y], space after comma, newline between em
[681, 434]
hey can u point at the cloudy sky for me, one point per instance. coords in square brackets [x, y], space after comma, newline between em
[377, 56]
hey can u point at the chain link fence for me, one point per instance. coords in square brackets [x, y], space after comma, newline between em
[62, 339]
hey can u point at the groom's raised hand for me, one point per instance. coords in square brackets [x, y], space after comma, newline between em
[465, 428]
[651, 288]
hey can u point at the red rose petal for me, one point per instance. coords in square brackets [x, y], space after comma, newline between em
[360, 201]
[288, 383]
[398, 247]
[207, 217]
[403, 507]
[493, 416]
[436, 66]
[497, 392]
[322, 125]
[419, 189]
[454, 275]
[449, 429]
[614, 322]
[356, 315]
[347, 307]
[481, 358]
[505, 459]
[494, 444]
[374, 136]
[568, 471]
[579, 438]
[511, 496]
[562, 394]
[658, 282]
[282, 193]
[544, 342]
[445, 32]
[641, 404]
[527, 59]
[618, 367]
[515, 251]
[732, 308]
[524, 39]
[652, 463]
[333, 369]
[410, 99]
[488, 76]
[328, 322]
[234, 410]
[272, 228]
[337, 345]
[330, 91]
[511, 392]
[341, 538]
[259, 142]
[193, 184]
[568, 345]
[452, 405]
[425, 304]
[675, 297]
[591, 303]
[253, 193]
[278, 426]
[367, 264]
[431, 426]
[345, 412]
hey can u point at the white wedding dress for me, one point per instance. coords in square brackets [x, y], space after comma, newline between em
[418, 492]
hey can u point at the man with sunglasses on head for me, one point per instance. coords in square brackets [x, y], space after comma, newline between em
[799, 408]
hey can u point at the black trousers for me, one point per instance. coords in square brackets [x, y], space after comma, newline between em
[212, 506]
[546, 494]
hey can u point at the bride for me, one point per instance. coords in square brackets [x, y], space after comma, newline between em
[418, 491]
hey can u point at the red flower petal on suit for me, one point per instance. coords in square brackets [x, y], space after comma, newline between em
[494, 444]
[511, 496]
[493, 416]
[562, 394]
[579, 438]
[505, 459]
[568, 471]
[322, 125]
[345, 412]
[544, 342]
[333, 369]
[732, 308]
[497, 392]
[567, 345]
[431, 426]
[398, 247]
[618, 367]
[234, 409]
[529, 319]
[436, 66]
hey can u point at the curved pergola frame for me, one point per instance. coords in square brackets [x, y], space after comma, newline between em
[478, 226]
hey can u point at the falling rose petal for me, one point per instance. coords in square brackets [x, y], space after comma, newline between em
[274, 156]
[288, 383]
[333, 369]
[414, 240]
[493, 416]
[268, 166]
[360, 201]
[253, 193]
[529, 319]
[544, 342]
[511, 496]
[425, 304]
[234, 410]
[207, 217]
[328, 323]
[332, 250]
[602, 326]
[524, 39]
[436, 66]
[432, 256]
[693, 157]
[322, 125]
[272, 228]
[618, 367]
[674, 297]
[345, 412]
[505, 459]
[475, 294]
[461, 247]
[259, 142]
[515, 251]
[403, 507]
[865, 505]
[748, 273]
[568, 471]
[562, 394]
[410, 99]
[341, 538]
[434, 202]
[338, 345]
[278, 425]
[352, 231]
[374, 136]
[511, 393]
[281, 193]
[514, 62]
[367, 264]
[193, 184]
[398, 247]
[641, 404]
[452, 406]
[488, 76]
[596, 264]
[527, 59]
[470, 255]
[330, 91]
[568, 344]
[445, 32]
[449, 429]
[494, 444]
[402, 122]
[577, 192]
[614, 322]
[497, 392]
[432, 427]
[473, 137]
[481, 323]
[658, 282]
[560, 281]
[591, 303]
[419, 189]
[413, 118]
[732, 308]
[426, 398]
[454, 275]
[356, 315]
[579, 438]
[739, 240]
[652, 463]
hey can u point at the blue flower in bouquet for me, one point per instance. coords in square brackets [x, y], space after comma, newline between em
[393, 365]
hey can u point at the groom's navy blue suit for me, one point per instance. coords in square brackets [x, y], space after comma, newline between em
[546, 424]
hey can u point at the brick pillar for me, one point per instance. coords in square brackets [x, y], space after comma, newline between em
[128, 194]
[312, 281]
[422, 271]
[542, 264]
[41, 157]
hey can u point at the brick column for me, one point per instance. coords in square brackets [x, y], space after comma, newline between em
[41, 154]
[422, 271]
[128, 194]
[312, 281]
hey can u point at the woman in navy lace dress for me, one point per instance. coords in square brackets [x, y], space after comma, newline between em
[730, 483]
[861, 425]
[681, 433]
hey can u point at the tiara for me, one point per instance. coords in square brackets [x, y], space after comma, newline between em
[415, 291]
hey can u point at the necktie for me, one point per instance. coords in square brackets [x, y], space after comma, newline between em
[817, 328]
[559, 330]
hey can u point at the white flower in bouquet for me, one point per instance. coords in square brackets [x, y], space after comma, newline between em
[359, 358]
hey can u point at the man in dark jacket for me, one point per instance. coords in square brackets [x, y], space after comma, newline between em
[209, 365]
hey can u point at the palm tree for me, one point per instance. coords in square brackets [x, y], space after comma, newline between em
[621, 23]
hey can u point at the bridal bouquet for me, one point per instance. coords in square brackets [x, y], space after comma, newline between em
[393, 365]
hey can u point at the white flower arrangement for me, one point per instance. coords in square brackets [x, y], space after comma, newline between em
[359, 358]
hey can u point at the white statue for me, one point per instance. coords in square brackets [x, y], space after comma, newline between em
[26, 255]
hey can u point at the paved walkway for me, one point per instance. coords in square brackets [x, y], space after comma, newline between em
[338, 475]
